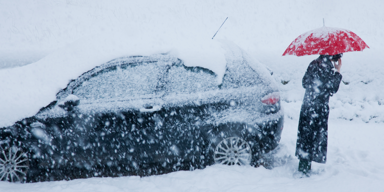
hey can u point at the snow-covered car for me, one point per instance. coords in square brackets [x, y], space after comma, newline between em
[145, 115]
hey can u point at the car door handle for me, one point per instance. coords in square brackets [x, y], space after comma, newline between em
[150, 108]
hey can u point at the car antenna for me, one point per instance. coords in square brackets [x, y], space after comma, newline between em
[219, 27]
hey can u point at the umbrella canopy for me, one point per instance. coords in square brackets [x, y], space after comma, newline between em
[325, 41]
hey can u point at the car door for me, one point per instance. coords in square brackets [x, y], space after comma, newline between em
[118, 110]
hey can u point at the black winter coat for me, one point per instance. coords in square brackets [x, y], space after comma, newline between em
[320, 82]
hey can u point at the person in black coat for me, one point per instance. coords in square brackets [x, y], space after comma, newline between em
[321, 80]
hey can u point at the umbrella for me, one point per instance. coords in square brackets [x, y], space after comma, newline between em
[325, 41]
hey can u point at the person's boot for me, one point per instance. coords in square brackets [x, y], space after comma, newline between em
[305, 167]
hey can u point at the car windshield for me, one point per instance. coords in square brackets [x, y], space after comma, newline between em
[125, 81]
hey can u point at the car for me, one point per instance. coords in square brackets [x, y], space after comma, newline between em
[147, 115]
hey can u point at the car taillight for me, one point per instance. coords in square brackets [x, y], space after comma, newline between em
[271, 99]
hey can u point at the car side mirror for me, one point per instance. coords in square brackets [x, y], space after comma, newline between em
[69, 102]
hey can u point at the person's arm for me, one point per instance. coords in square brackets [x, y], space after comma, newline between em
[336, 78]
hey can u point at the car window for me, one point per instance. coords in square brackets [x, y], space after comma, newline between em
[182, 79]
[240, 74]
[123, 81]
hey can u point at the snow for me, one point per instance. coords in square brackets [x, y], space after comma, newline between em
[70, 97]
[65, 38]
[40, 81]
[75, 36]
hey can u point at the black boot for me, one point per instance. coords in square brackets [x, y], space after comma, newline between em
[305, 167]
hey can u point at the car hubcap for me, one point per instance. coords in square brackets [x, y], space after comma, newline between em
[233, 151]
[13, 165]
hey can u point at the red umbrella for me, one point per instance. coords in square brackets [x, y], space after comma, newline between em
[325, 41]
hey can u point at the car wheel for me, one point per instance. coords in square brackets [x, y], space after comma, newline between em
[233, 151]
[14, 164]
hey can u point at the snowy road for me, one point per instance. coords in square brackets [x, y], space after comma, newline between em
[356, 150]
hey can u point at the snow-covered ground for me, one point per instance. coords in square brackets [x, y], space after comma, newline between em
[63, 38]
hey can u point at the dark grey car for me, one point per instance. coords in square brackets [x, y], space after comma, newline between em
[145, 115]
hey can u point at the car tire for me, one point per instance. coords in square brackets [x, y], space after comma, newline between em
[233, 151]
[14, 164]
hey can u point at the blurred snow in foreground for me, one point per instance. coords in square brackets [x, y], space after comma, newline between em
[77, 35]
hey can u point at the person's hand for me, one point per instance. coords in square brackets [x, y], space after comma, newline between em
[338, 65]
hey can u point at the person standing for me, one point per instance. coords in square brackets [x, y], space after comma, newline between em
[321, 80]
